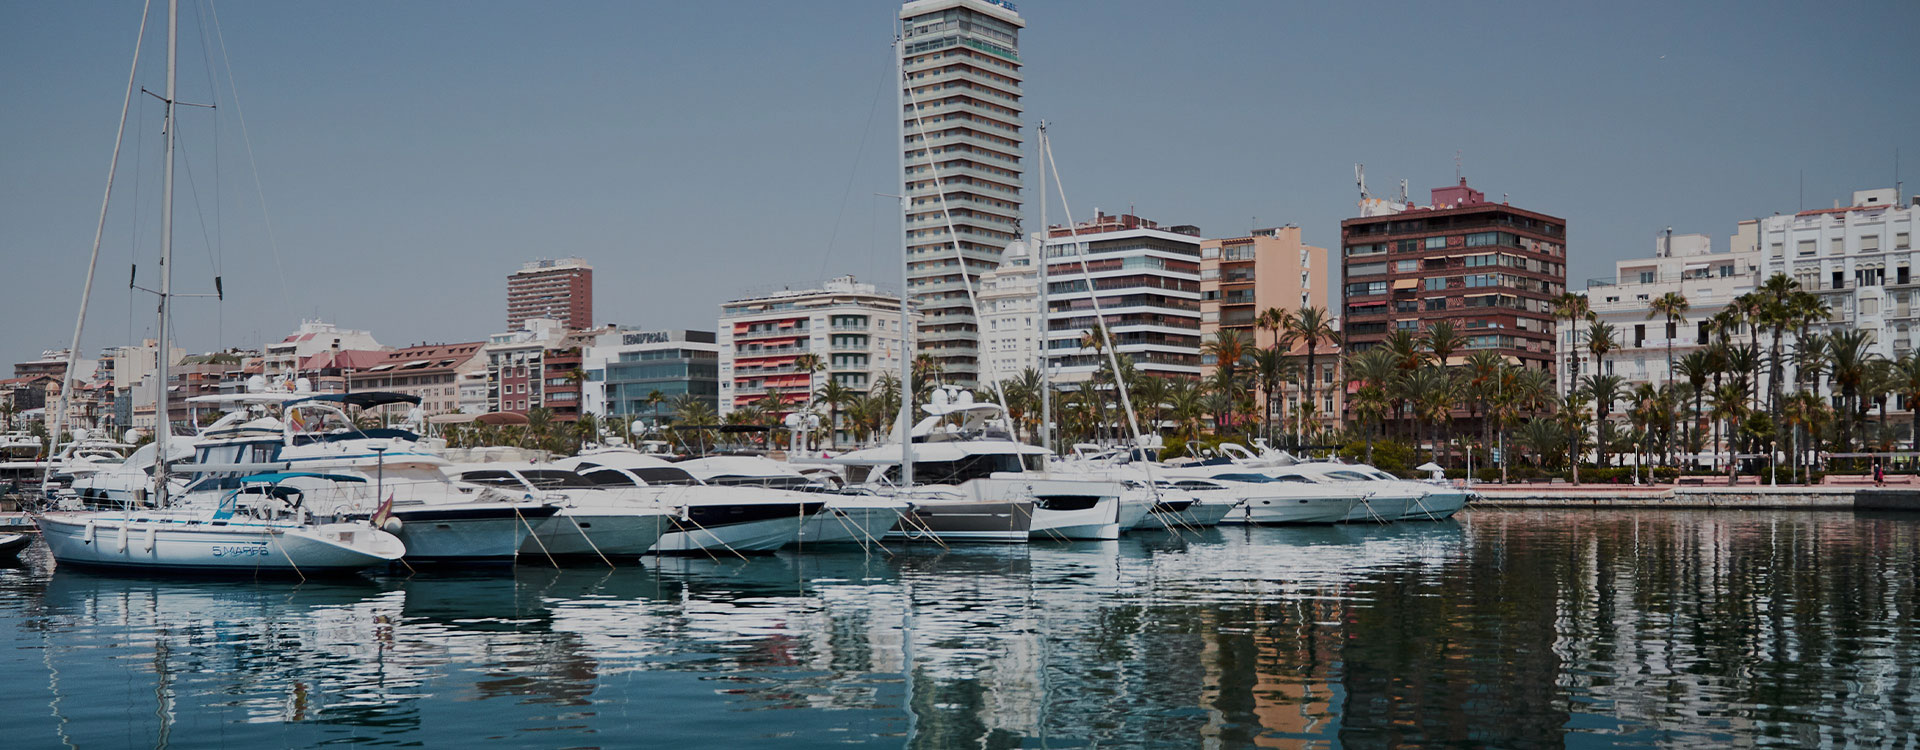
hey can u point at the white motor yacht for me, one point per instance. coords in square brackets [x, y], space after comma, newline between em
[700, 519]
[591, 522]
[1425, 501]
[440, 521]
[972, 482]
[846, 519]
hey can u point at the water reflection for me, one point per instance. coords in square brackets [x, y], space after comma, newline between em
[1505, 629]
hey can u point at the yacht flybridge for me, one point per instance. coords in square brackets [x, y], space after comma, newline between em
[972, 482]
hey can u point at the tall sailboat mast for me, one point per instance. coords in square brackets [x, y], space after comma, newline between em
[162, 428]
[1045, 315]
[906, 269]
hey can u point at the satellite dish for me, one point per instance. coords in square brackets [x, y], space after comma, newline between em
[132, 435]
[965, 398]
[303, 385]
[940, 398]
[256, 384]
[637, 426]
[793, 420]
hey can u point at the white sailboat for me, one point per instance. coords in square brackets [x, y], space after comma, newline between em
[257, 525]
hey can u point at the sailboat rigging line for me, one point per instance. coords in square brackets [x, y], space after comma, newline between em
[240, 112]
[93, 261]
[847, 192]
[953, 237]
[1106, 332]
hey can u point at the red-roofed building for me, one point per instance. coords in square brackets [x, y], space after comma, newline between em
[430, 371]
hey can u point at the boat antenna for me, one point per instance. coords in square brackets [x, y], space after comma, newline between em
[93, 261]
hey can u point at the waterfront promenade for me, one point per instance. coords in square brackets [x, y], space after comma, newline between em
[1840, 493]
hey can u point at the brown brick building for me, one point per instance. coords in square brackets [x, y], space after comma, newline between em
[558, 289]
[1490, 268]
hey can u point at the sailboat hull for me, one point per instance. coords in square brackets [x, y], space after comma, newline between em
[239, 547]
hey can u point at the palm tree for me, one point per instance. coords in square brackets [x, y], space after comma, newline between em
[1270, 369]
[810, 364]
[1442, 340]
[1228, 348]
[1696, 367]
[1430, 391]
[836, 395]
[1672, 306]
[1850, 355]
[1730, 405]
[1150, 396]
[1573, 308]
[1483, 374]
[1186, 402]
[1573, 417]
[539, 426]
[1378, 374]
[1906, 382]
[1604, 390]
[1544, 439]
[1600, 340]
[1310, 326]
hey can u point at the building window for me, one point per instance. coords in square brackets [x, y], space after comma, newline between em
[1436, 243]
[1639, 335]
[1646, 277]
[1406, 266]
[1806, 247]
[1837, 246]
[1839, 279]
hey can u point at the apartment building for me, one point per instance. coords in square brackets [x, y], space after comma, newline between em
[960, 130]
[625, 367]
[1859, 258]
[852, 327]
[556, 289]
[1147, 281]
[1683, 263]
[1492, 269]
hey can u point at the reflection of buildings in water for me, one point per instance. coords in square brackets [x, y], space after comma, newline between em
[278, 652]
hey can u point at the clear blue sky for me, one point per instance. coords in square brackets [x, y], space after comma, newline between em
[415, 153]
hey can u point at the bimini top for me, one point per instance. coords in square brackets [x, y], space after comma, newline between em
[278, 477]
[362, 400]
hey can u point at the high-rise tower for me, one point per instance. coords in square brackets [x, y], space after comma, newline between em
[960, 129]
[558, 289]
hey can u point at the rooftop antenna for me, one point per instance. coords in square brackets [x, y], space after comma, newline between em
[1403, 191]
[1456, 166]
[1360, 178]
[1899, 194]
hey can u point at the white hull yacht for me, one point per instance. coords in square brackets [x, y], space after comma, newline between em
[590, 521]
[973, 483]
[700, 519]
[846, 519]
[261, 526]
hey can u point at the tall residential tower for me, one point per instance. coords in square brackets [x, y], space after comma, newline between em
[960, 129]
[557, 289]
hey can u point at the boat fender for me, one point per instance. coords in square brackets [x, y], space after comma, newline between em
[392, 526]
[153, 531]
[90, 533]
[126, 530]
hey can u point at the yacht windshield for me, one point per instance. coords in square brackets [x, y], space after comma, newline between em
[1351, 476]
[1254, 478]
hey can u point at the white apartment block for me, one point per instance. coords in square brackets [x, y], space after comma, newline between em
[1148, 284]
[961, 137]
[852, 327]
[1010, 316]
[1708, 279]
[1859, 258]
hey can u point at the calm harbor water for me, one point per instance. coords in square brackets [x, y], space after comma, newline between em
[1500, 629]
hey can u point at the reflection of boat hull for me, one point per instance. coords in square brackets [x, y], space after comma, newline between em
[1438, 505]
[586, 532]
[461, 532]
[961, 520]
[1196, 514]
[739, 527]
[11, 544]
[1264, 511]
[850, 523]
[160, 545]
